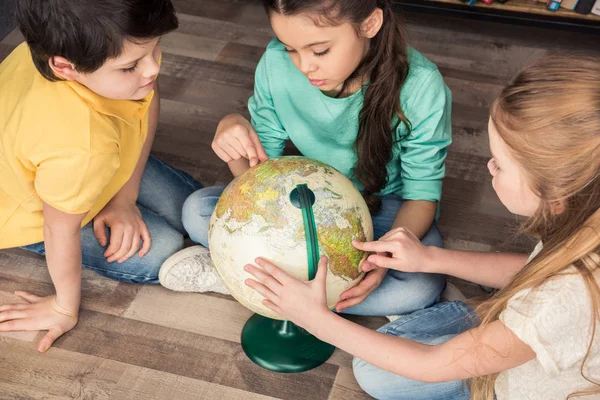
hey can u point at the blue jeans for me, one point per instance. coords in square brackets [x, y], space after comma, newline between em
[399, 292]
[432, 326]
[163, 190]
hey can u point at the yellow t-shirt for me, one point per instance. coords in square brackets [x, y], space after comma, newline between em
[61, 143]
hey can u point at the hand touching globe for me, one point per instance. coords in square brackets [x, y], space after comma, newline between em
[290, 211]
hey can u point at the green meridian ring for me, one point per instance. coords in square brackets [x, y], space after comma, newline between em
[304, 198]
[281, 346]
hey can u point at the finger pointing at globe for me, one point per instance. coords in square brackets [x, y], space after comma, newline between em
[399, 250]
[289, 211]
[268, 234]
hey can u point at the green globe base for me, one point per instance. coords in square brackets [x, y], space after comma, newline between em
[281, 346]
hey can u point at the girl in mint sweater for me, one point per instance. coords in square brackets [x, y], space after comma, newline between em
[341, 83]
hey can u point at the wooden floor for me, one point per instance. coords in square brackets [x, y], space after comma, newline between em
[145, 342]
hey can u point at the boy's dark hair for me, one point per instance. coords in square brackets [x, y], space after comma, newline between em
[87, 32]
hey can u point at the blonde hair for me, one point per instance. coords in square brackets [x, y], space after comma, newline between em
[549, 117]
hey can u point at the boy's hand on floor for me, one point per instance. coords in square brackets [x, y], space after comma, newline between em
[38, 314]
[128, 231]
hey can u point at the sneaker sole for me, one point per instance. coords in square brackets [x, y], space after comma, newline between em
[165, 268]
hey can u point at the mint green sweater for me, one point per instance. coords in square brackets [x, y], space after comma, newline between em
[286, 106]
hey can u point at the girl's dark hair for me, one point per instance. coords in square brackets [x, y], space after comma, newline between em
[87, 32]
[385, 67]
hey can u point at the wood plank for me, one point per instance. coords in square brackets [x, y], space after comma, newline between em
[57, 374]
[193, 69]
[148, 384]
[492, 60]
[188, 116]
[31, 274]
[222, 317]
[183, 44]
[220, 99]
[174, 138]
[251, 14]
[473, 117]
[469, 167]
[14, 38]
[226, 31]
[240, 54]
[476, 94]
[225, 11]
[204, 314]
[345, 387]
[190, 150]
[202, 170]
[464, 218]
[61, 374]
[471, 75]
[190, 355]
[5, 50]
[470, 141]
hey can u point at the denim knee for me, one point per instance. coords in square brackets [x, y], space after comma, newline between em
[139, 270]
[197, 211]
[427, 288]
[384, 385]
[433, 237]
[381, 384]
[433, 286]
[164, 245]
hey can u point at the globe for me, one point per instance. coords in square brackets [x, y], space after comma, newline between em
[290, 211]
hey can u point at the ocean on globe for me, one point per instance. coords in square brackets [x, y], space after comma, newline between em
[255, 217]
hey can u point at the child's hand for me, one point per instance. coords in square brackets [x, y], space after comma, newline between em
[299, 301]
[398, 249]
[235, 139]
[360, 292]
[39, 313]
[127, 230]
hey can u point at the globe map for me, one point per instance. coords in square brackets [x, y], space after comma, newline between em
[254, 217]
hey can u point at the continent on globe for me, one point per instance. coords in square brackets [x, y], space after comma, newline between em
[255, 217]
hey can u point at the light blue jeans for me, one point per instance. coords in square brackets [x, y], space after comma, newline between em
[399, 292]
[434, 325]
[163, 190]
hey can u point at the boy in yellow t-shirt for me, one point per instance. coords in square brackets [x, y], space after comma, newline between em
[78, 112]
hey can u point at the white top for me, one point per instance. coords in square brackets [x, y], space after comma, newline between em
[555, 321]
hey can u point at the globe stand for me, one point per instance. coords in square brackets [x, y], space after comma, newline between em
[281, 346]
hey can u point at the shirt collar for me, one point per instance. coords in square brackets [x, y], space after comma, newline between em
[125, 110]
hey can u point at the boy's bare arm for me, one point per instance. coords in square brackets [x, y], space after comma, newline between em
[62, 238]
[55, 313]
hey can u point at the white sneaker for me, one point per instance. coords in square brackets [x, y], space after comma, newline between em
[191, 270]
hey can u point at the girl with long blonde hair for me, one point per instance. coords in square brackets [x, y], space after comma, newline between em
[536, 337]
